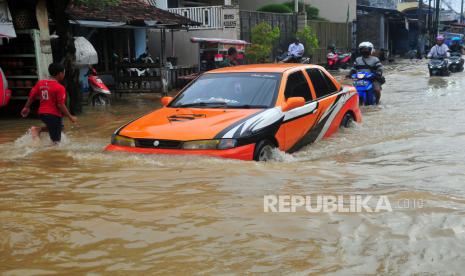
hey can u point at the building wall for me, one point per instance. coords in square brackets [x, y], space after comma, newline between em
[332, 10]
[369, 34]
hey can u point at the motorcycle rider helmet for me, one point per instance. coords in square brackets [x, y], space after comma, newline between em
[366, 48]
[440, 39]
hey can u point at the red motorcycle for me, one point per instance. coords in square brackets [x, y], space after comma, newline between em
[5, 93]
[337, 59]
[99, 93]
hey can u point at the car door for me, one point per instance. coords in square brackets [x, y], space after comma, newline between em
[327, 92]
[298, 122]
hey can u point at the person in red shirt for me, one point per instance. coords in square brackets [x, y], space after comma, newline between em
[52, 107]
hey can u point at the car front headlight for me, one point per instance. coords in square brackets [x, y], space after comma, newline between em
[210, 144]
[123, 141]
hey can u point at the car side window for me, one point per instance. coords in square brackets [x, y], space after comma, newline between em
[322, 84]
[297, 86]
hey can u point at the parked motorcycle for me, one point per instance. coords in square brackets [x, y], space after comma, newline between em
[336, 60]
[438, 67]
[456, 62]
[286, 58]
[363, 82]
[99, 94]
[5, 93]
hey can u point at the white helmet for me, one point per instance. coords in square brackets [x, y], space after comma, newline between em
[366, 45]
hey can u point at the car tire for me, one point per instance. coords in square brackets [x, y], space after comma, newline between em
[263, 151]
[347, 121]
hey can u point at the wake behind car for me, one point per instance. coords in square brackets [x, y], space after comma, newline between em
[244, 112]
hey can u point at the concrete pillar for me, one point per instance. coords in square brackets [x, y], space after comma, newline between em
[44, 47]
[301, 20]
[382, 34]
[232, 19]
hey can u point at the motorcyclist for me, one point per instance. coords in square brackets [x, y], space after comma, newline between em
[440, 50]
[456, 47]
[368, 62]
[332, 48]
[296, 51]
[231, 59]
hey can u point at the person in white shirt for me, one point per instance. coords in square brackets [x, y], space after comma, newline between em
[296, 50]
[440, 50]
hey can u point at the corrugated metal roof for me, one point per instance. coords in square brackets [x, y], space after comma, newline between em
[132, 12]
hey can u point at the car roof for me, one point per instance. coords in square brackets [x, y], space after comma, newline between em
[262, 68]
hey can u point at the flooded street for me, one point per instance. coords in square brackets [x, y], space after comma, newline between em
[75, 209]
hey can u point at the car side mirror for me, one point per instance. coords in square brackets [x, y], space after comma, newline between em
[293, 103]
[165, 101]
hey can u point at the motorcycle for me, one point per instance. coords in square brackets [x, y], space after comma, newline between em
[363, 82]
[338, 60]
[286, 58]
[456, 62]
[438, 67]
[5, 93]
[99, 94]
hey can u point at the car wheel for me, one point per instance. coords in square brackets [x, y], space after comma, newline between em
[264, 151]
[347, 121]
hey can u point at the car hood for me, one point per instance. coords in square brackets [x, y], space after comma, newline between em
[185, 124]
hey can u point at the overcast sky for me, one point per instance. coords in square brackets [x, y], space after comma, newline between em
[455, 3]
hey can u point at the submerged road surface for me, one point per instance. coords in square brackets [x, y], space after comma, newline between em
[74, 209]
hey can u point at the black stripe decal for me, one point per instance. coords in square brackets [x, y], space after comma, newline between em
[229, 128]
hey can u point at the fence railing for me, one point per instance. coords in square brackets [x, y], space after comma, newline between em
[329, 33]
[287, 24]
[210, 17]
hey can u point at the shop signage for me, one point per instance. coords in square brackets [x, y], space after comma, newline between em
[6, 22]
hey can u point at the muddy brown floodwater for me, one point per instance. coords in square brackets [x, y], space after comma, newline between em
[74, 209]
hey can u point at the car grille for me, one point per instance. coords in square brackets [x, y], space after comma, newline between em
[162, 144]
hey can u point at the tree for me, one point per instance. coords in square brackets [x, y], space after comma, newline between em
[276, 8]
[263, 38]
[57, 10]
[309, 38]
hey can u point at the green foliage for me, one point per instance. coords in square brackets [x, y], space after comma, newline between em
[312, 12]
[263, 38]
[277, 8]
[308, 38]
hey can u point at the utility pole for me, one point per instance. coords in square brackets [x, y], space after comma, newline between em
[430, 17]
[436, 23]
[420, 16]
[296, 6]
[461, 12]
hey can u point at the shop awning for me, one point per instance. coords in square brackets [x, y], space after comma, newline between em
[6, 22]
[219, 40]
[98, 24]
[127, 13]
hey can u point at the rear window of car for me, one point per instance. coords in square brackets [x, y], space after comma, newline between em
[234, 90]
[322, 84]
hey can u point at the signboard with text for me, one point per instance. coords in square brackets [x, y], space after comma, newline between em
[6, 22]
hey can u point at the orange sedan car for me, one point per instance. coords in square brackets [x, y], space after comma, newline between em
[244, 112]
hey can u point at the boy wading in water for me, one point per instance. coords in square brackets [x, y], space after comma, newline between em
[52, 107]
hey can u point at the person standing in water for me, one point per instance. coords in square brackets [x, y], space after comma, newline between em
[52, 96]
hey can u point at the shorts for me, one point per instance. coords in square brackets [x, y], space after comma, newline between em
[377, 85]
[54, 125]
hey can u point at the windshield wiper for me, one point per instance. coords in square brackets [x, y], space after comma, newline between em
[248, 106]
[205, 104]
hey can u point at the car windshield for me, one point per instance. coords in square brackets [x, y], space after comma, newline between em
[231, 90]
